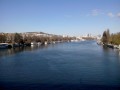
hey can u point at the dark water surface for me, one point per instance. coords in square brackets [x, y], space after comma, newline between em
[65, 66]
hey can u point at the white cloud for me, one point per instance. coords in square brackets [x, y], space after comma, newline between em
[95, 12]
[118, 15]
[110, 14]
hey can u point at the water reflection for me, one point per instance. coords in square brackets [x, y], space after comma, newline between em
[107, 51]
[12, 51]
[117, 51]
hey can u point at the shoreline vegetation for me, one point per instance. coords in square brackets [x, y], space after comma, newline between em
[110, 40]
[12, 40]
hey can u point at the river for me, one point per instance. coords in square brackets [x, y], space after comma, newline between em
[72, 65]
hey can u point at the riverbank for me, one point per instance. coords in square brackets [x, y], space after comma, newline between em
[14, 45]
[34, 43]
[109, 45]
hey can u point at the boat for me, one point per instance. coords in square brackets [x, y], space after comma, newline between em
[3, 45]
[39, 43]
[45, 42]
[33, 43]
[15, 45]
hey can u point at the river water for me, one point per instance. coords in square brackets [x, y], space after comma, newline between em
[64, 66]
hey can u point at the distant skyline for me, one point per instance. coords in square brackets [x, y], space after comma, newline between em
[68, 17]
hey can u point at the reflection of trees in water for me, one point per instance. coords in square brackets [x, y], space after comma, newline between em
[18, 49]
[117, 52]
[12, 51]
[4, 52]
[107, 50]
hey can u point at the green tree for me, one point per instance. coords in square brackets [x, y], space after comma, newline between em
[115, 38]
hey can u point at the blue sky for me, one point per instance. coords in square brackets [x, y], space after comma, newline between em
[69, 17]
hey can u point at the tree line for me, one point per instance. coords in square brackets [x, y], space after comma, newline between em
[113, 38]
[20, 38]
